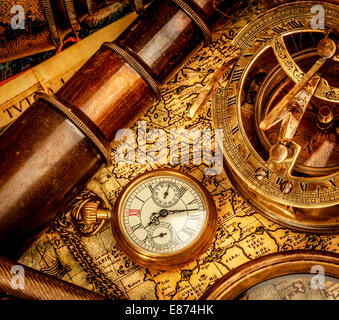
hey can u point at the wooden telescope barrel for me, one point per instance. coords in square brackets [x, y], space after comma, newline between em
[36, 285]
[62, 140]
[28, 27]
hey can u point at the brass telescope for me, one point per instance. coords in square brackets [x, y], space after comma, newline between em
[62, 140]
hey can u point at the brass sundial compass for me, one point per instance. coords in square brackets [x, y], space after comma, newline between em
[279, 116]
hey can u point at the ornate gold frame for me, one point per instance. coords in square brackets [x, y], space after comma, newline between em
[242, 278]
[181, 257]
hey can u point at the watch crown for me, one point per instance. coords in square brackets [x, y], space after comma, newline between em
[90, 213]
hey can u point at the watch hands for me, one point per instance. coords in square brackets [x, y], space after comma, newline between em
[160, 235]
[166, 193]
[164, 213]
[145, 239]
[154, 219]
[181, 210]
[137, 226]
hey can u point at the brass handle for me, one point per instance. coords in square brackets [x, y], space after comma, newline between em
[89, 213]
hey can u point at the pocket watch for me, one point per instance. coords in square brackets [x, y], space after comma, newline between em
[161, 219]
[279, 115]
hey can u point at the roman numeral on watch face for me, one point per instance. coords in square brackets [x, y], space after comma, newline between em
[188, 230]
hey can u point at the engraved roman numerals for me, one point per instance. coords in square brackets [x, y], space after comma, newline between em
[231, 101]
[237, 73]
[303, 186]
[235, 130]
[262, 39]
[332, 183]
[248, 155]
[295, 24]
[279, 180]
[279, 29]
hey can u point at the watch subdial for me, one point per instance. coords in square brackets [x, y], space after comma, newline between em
[166, 194]
[160, 236]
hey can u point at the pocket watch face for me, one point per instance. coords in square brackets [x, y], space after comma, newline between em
[163, 214]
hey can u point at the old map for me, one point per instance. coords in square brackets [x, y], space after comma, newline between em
[98, 264]
[293, 287]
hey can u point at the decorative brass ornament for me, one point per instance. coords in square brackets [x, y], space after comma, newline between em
[278, 113]
[296, 267]
[161, 219]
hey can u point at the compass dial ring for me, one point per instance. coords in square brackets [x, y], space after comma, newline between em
[291, 197]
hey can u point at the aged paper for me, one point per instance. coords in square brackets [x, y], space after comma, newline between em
[17, 95]
[242, 235]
